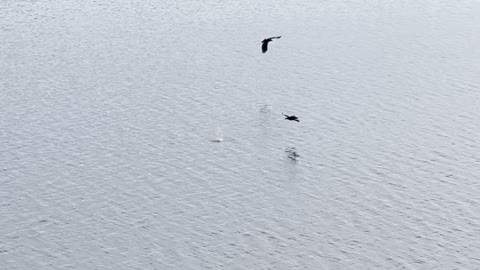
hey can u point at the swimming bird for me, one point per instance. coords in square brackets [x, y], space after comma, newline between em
[266, 41]
[291, 117]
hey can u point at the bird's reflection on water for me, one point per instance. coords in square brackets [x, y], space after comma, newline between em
[265, 108]
[292, 154]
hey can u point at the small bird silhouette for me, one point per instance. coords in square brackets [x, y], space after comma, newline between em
[266, 41]
[291, 117]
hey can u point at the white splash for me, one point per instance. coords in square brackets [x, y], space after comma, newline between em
[218, 136]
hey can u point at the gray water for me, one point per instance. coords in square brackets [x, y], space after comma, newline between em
[111, 109]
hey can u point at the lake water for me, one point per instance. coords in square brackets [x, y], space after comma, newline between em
[110, 113]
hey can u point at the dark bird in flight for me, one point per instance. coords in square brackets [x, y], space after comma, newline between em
[291, 117]
[266, 41]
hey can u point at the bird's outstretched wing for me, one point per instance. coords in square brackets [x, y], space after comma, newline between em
[265, 47]
[275, 37]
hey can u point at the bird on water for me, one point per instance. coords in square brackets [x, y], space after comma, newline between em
[291, 117]
[266, 41]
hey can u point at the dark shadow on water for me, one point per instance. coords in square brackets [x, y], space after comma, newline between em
[292, 154]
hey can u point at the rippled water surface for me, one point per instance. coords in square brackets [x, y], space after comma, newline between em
[149, 134]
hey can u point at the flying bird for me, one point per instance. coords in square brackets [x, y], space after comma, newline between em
[266, 41]
[291, 117]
